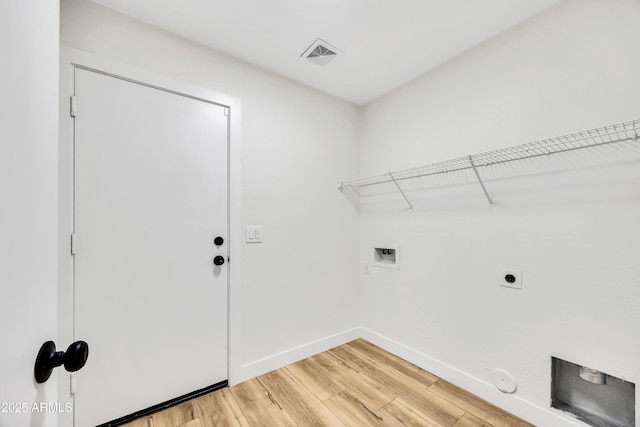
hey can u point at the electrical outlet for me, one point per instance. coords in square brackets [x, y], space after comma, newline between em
[511, 278]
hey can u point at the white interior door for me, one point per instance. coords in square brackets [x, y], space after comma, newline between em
[150, 198]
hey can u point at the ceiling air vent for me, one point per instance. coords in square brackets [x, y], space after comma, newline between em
[320, 52]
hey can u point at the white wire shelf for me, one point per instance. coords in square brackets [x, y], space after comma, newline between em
[576, 141]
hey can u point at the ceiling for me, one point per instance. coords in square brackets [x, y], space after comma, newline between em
[383, 43]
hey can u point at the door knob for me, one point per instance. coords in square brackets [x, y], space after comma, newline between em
[48, 358]
[219, 260]
[218, 241]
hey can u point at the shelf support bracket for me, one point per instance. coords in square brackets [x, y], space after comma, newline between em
[484, 189]
[400, 190]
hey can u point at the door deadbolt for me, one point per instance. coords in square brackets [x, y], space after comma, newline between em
[219, 260]
[218, 241]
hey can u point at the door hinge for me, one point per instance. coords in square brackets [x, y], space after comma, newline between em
[72, 384]
[73, 244]
[226, 111]
[72, 106]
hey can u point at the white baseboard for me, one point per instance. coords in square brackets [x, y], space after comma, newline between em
[268, 364]
[534, 414]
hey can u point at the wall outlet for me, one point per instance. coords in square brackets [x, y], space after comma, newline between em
[510, 278]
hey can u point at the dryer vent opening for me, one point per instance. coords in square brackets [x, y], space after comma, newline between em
[596, 398]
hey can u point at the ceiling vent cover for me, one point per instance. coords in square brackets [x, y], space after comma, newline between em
[320, 52]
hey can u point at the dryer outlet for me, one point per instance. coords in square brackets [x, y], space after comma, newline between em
[510, 278]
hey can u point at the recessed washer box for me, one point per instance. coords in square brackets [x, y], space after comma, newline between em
[387, 256]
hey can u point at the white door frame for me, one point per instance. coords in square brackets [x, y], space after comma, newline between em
[69, 59]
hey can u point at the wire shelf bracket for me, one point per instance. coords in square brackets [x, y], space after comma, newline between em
[484, 189]
[615, 133]
[400, 190]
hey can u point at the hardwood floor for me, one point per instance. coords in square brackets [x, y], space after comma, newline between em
[356, 384]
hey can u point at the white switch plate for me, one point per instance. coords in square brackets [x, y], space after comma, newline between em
[254, 234]
[517, 275]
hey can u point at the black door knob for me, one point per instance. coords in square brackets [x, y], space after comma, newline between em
[219, 260]
[48, 358]
[218, 241]
[76, 356]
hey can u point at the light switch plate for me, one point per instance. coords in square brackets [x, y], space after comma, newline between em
[254, 234]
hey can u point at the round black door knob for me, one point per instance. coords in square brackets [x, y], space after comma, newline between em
[48, 358]
[76, 356]
[219, 260]
[218, 241]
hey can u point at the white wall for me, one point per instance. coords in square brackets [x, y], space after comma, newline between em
[300, 285]
[28, 217]
[568, 222]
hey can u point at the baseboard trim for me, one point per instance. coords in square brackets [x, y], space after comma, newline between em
[511, 403]
[268, 364]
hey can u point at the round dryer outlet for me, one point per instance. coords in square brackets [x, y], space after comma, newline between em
[503, 381]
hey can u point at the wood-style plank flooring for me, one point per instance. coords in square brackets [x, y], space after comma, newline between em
[355, 385]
